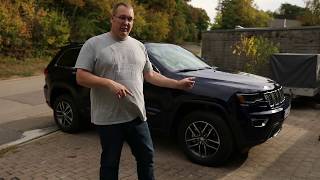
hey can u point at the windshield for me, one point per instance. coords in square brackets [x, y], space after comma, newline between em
[175, 58]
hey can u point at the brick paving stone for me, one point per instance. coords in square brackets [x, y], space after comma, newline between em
[293, 154]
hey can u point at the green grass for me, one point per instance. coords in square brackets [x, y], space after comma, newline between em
[11, 67]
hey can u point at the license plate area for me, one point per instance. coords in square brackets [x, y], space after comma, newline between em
[287, 112]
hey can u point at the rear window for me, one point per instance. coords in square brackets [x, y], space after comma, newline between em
[69, 57]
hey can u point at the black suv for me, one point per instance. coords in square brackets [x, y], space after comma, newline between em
[225, 112]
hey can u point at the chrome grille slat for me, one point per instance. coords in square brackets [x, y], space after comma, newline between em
[274, 97]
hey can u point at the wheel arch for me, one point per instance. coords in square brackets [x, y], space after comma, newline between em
[196, 105]
[58, 90]
[215, 118]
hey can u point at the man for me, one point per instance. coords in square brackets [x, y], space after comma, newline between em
[114, 66]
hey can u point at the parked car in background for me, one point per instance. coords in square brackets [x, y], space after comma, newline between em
[224, 112]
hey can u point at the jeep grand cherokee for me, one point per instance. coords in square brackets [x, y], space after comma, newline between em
[223, 113]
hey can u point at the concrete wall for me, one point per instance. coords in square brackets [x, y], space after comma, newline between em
[284, 23]
[217, 45]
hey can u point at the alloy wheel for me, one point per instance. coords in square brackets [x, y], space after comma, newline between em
[64, 114]
[202, 139]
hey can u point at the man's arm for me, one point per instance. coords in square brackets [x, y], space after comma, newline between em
[162, 81]
[87, 79]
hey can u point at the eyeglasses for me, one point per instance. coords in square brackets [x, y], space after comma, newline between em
[124, 18]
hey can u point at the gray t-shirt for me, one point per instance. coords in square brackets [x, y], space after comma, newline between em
[123, 62]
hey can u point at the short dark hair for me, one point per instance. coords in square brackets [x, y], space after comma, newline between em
[115, 7]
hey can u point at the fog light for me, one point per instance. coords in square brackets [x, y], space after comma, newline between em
[259, 122]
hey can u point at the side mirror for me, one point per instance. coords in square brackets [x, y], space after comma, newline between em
[204, 59]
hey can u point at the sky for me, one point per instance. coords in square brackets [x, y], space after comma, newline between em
[210, 5]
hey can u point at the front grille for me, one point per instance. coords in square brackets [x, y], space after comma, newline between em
[274, 97]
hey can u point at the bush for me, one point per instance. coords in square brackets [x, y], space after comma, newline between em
[257, 50]
[86, 27]
[14, 34]
[53, 30]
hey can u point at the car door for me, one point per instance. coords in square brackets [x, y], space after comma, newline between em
[65, 71]
[159, 105]
[66, 76]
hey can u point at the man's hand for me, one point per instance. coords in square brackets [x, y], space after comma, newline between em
[119, 90]
[159, 80]
[186, 83]
[87, 79]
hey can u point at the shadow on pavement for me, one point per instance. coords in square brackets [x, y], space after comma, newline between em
[301, 103]
[168, 154]
[12, 131]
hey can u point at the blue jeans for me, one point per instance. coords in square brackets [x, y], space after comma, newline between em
[136, 134]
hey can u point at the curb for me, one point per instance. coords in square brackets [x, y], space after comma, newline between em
[29, 136]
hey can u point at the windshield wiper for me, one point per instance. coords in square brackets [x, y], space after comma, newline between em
[208, 67]
[187, 70]
[196, 69]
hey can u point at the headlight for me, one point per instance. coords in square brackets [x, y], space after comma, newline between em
[249, 98]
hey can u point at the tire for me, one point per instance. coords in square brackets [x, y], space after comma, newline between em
[66, 114]
[205, 138]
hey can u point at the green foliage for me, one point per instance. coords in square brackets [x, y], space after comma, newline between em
[139, 30]
[312, 13]
[178, 28]
[33, 26]
[257, 50]
[201, 21]
[157, 30]
[185, 22]
[55, 30]
[240, 12]
[86, 27]
[15, 33]
[289, 11]
[217, 22]
[150, 28]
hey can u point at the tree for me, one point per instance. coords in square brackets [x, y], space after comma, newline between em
[200, 19]
[185, 21]
[140, 23]
[240, 12]
[34, 26]
[217, 22]
[178, 28]
[158, 30]
[55, 30]
[257, 51]
[312, 13]
[289, 11]
[15, 33]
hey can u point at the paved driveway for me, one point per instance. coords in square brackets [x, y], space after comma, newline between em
[22, 108]
[293, 154]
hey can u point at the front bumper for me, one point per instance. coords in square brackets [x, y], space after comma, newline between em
[259, 126]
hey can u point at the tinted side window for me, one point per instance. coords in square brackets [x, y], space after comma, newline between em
[69, 57]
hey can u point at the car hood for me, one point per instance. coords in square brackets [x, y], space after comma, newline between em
[240, 81]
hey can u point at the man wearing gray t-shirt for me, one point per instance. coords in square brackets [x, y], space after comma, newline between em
[114, 65]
